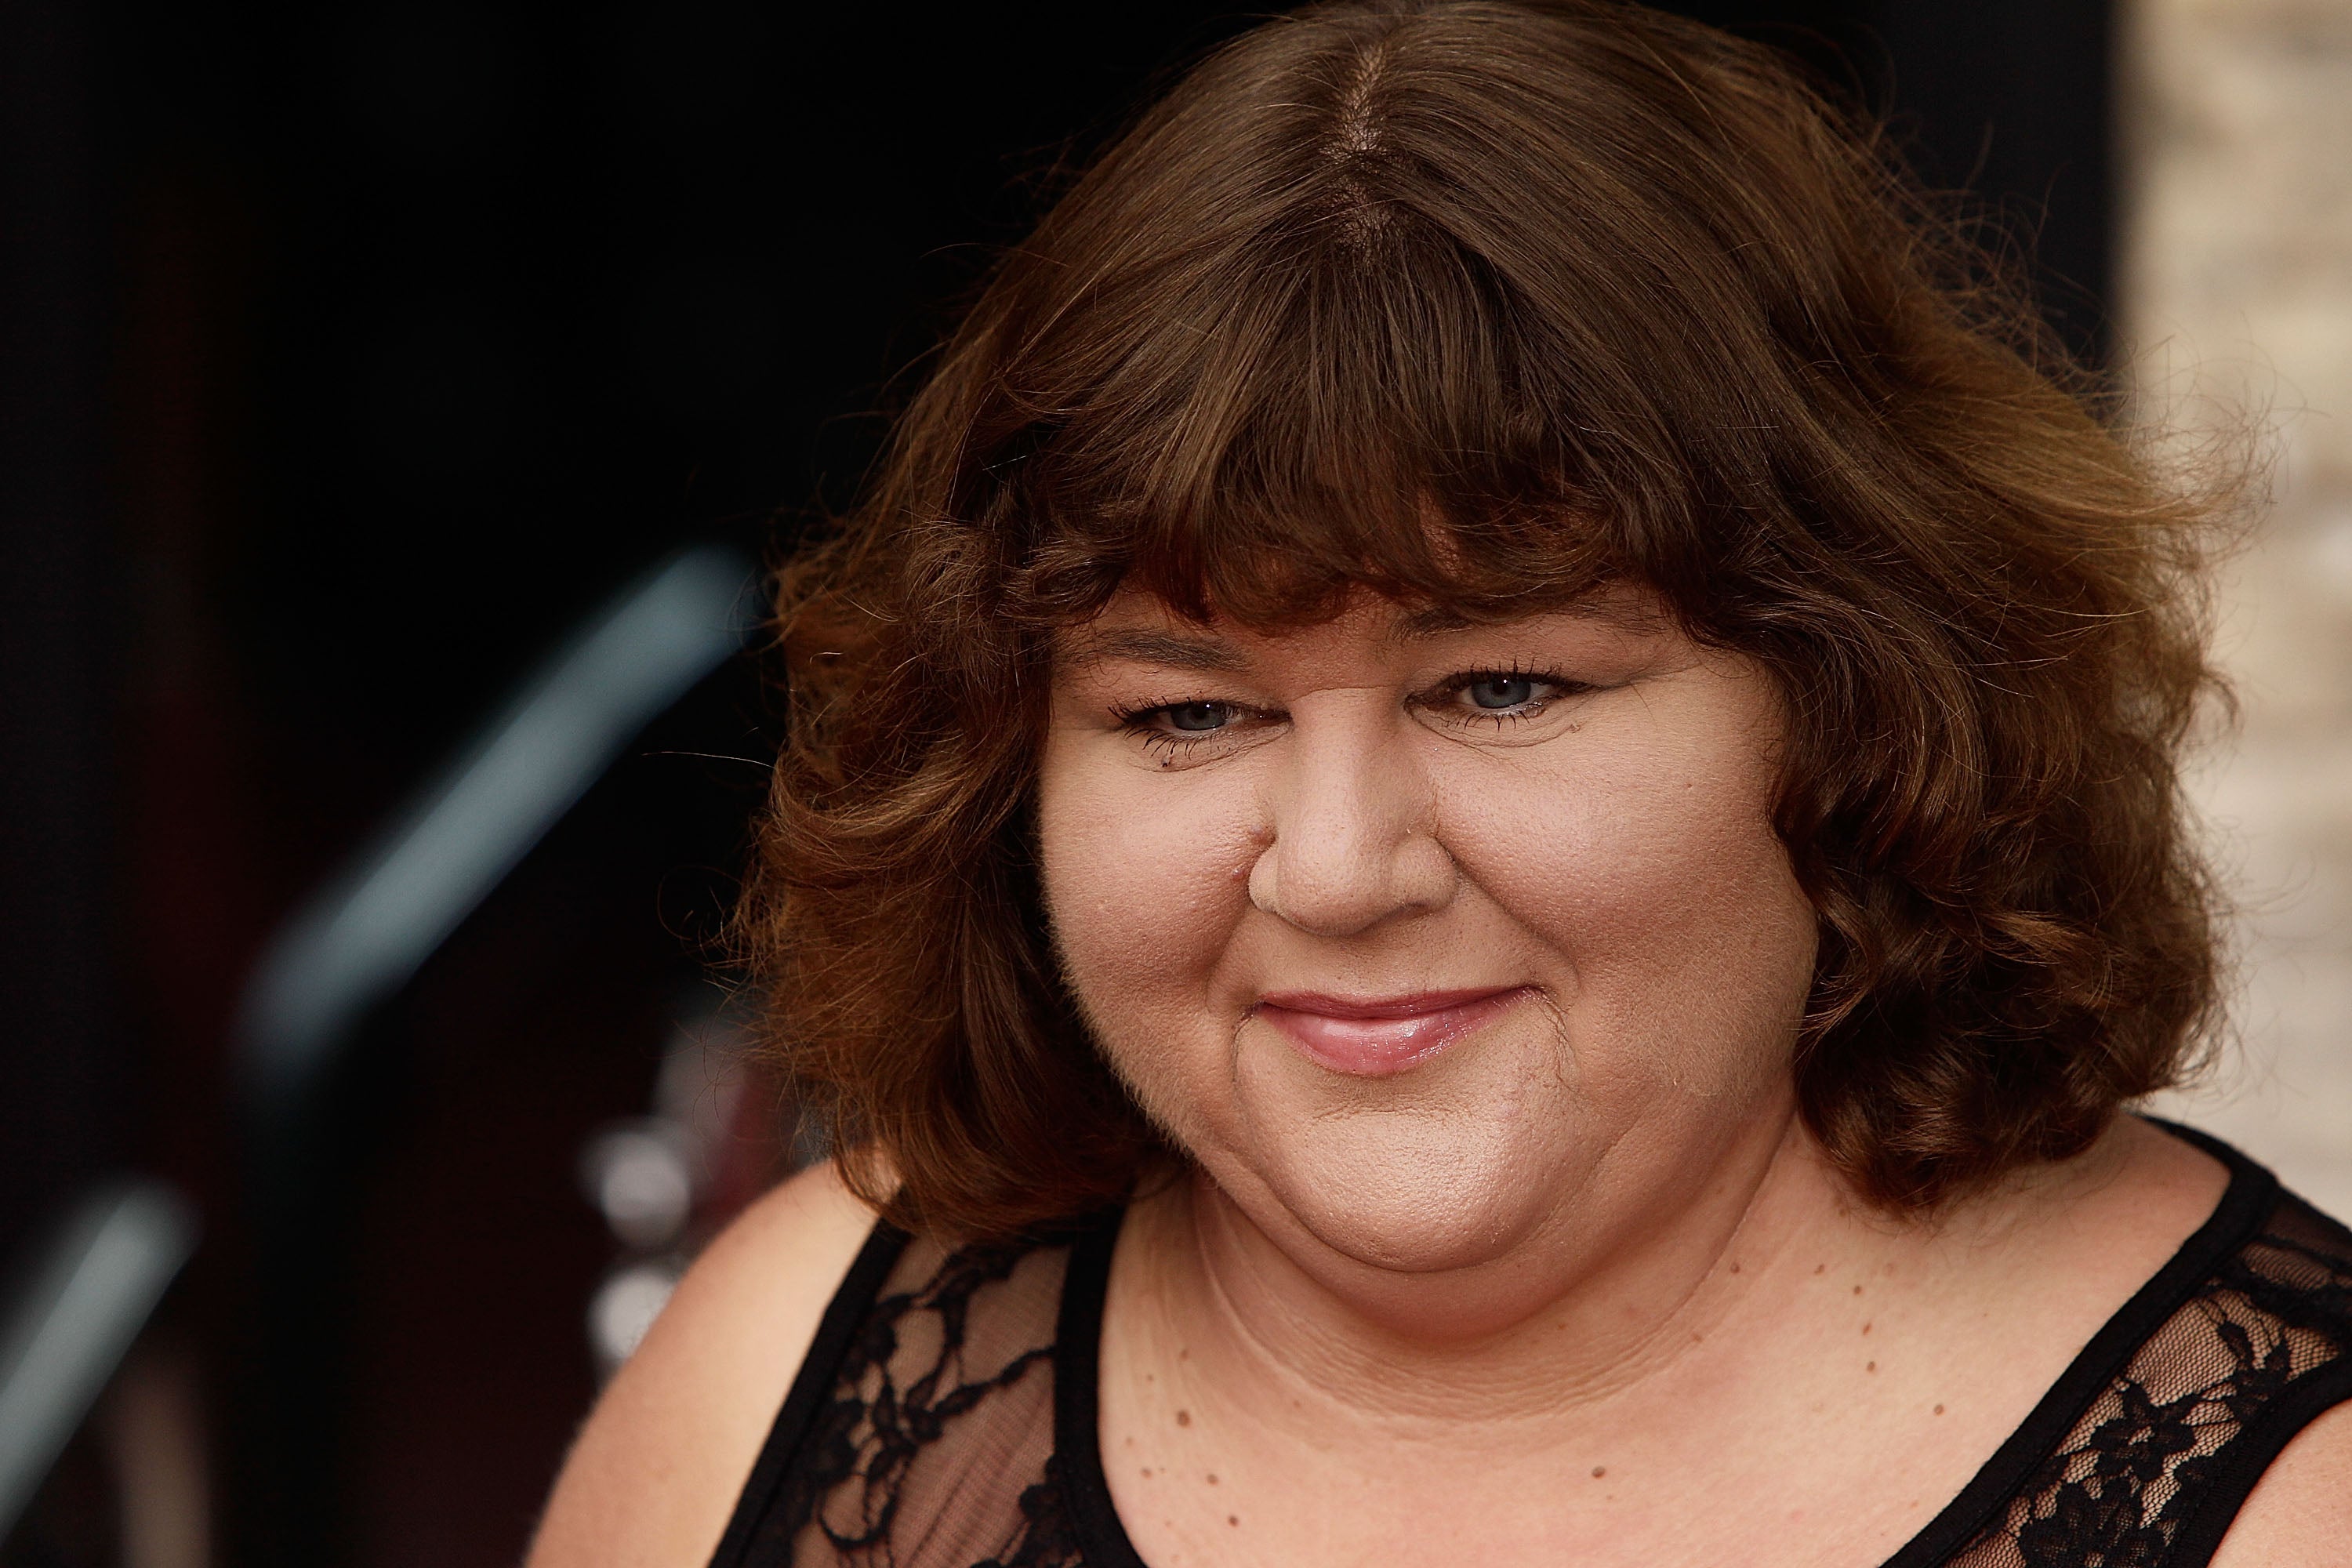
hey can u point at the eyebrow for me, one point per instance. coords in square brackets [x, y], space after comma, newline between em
[1212, 655]
[1437, 620]
[1167, 649]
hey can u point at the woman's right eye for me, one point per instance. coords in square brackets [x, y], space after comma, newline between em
[1176, 728]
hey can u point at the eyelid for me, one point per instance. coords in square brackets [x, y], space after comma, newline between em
[1145, 720]
[1133, 713]
[1144, 724]
[1462, 680]
[1445, 706]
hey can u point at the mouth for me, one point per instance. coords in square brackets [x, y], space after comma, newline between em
[1375, 1037]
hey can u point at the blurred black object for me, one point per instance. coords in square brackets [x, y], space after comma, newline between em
[361, 940]
[2011, 100]
[60, 1024]
[349, 354]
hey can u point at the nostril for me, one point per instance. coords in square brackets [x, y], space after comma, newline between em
[1346, 841]
[1343, 887]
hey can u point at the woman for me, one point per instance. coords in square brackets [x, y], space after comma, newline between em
[1479, 840]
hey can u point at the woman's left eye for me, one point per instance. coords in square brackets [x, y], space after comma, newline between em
[1496, 694]
[1198, 718]
[1492, 691]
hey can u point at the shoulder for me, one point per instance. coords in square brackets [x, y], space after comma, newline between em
[2300, 1513]
[655, 1472]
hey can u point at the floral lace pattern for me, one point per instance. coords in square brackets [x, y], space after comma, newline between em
[935, 1445]
[913, 1377]
[2138, 1477]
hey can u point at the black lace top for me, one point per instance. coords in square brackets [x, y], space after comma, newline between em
[945, 1416]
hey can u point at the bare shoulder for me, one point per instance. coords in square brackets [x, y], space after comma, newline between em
[2153, 1172]
[2126, 1205]
[655, 1474]
[2071, 1243]
[2300, 1514]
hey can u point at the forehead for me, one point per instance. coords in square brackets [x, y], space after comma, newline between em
[1140, 628]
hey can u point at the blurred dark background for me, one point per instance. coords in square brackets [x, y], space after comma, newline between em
[349, 355]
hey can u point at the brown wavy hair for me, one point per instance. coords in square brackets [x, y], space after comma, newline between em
[1486, 304]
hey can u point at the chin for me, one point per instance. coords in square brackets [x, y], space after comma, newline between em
[1445, 1169]
[1401, 1192]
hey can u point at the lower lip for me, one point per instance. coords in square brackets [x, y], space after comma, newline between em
[1380, 1045]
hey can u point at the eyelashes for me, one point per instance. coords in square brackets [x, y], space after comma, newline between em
[1518, 694]
[1160, 725]
[1499, 698]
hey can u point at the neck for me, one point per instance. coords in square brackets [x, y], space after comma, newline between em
[1646, 1404]
[1571, 1320]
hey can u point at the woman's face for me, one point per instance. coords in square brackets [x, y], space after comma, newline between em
[1427, 940]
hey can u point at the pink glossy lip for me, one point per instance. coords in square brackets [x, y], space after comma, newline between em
[1373, 1037]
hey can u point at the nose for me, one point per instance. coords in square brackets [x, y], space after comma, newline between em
[1353, 819]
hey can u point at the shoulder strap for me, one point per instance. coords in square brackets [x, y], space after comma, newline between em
[2022, 1461]
[758, 1516]
[2154, 1468]
[1094, 1523]
[2298, 1273]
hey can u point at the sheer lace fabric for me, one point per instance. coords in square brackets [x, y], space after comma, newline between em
[933, 1437]
[2148, 1474]
[936, 1445]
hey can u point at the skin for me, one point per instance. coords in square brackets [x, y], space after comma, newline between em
[1577, 1288]
[1359, 825]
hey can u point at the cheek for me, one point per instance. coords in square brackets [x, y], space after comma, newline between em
[1144, 876]
[1653, 872]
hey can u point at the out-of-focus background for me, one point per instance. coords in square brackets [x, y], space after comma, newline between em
[2233, 264]
[393, 400]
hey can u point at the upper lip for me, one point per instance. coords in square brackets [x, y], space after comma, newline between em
[1411, 1004]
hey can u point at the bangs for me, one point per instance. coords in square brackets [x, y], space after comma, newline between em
[1361, 404]
[1483, 306]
